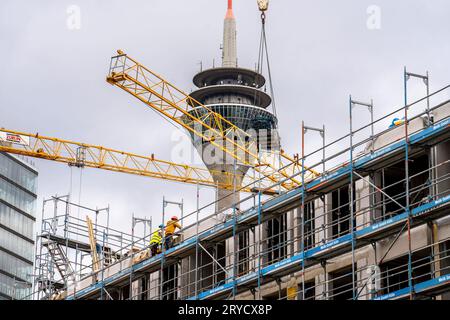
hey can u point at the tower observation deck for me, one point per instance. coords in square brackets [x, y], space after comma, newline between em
[236, 94]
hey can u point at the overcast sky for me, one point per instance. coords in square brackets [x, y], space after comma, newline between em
[53, 77]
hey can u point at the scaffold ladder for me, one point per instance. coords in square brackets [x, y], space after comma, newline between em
[60, 260]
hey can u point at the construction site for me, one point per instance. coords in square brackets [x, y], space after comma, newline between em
[363, 217]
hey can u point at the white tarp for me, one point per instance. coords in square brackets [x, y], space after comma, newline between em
[14, 138]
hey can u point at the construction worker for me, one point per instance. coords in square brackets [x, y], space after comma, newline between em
[172, 224]
[397, 122]
[156, 240]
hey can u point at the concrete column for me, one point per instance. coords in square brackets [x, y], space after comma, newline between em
[365, 284]
[290, 232]
[258, 247]
[227, 198]
[327, 218]
[187, 277]
[319, 222]
[322, 287]
[297, 229]
[362, 197]
[252, 249]
[264, 243]
[377, 211]
[154, 286]
[230, 255]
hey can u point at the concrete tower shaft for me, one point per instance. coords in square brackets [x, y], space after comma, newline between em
[229, 53]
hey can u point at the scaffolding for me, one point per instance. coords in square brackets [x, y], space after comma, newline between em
[334, 237]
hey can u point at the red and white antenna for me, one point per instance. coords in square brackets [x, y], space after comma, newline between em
[230, 14]
[229, 49]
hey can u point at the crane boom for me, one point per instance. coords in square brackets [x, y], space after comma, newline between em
[162, 96]
[177, 106]
[86, 155]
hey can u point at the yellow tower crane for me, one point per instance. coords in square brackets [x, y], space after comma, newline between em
[183, 110]
[178, 107]
[86, 155]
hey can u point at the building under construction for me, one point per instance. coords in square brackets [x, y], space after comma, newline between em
[366, 222]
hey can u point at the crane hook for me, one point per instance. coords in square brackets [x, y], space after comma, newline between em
[263, 5]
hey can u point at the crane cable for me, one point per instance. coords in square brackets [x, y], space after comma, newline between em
[79, 193]
[264, 53]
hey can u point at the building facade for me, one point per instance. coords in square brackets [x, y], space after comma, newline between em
[18, 183]
[383, 233]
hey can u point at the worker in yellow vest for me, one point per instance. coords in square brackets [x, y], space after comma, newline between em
[171, 226]
[156, 241]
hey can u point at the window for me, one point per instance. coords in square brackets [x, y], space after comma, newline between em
[14, 288]
[16, 221]
[15, 266]
[17, 197]
[392, 181]
[280, 294]
[210, 273]
[276, 239]
[13, 170]
[140, 289]
[394, 273]
[170, 282]
[308, 226]
[310, 290]
[342, 284]
[243, 252]
[341, 215]
[444, 258]
[16, 244]
[443, 265]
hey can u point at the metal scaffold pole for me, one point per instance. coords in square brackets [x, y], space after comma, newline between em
[163, 251]
[259, 246]
[303, 219]
[260, 255]
[130, 285]
[302, 212]
[426, 80]
[352, 202]
[430, 118]
[407, 205]
[102, 289]
[235, 244]
[197, 241]
[352, 227]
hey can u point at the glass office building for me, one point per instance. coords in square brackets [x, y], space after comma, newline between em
[18, 179]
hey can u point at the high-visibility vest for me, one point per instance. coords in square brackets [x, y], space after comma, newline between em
[156, 238]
